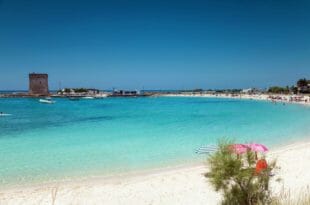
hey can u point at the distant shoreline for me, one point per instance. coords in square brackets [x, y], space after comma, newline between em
[275, 98]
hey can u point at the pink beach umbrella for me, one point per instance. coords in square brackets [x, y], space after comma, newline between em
[239, 148]
[257, 147]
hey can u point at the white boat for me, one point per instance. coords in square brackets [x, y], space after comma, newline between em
[88, 98]
[47, 101]
[4, 114]
[99, 96]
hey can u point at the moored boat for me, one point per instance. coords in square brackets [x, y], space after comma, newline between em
[47, 101]
[88, 98]
[4, 114]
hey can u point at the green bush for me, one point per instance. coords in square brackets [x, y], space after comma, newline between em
[235, 177]
[278, 90]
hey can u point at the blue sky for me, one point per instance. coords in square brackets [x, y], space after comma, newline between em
[154, 44]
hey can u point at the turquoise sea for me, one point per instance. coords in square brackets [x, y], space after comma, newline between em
[68, 139]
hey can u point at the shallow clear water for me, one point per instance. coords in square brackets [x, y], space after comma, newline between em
[42, 142]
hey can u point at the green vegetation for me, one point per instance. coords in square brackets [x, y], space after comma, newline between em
[279, 90]
[80, 90]
[198, 90]
[67, 90]
[302, 86]
[76, 90]
[303, 82]
[235, 177]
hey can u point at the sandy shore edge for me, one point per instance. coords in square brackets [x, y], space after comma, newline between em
[176, 185]
[276, 98]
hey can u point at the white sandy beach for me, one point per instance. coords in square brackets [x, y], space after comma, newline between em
[280, 98]
[185, 185]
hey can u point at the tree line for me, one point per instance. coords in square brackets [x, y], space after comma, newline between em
[302, 86]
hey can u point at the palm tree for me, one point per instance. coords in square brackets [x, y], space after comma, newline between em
[302, 85]
[302, 82]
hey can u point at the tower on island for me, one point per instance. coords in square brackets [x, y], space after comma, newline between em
[38, 84]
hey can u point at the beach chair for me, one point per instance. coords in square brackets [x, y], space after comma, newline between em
[208, 149]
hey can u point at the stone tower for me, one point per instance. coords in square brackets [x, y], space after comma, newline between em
[38, 84]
